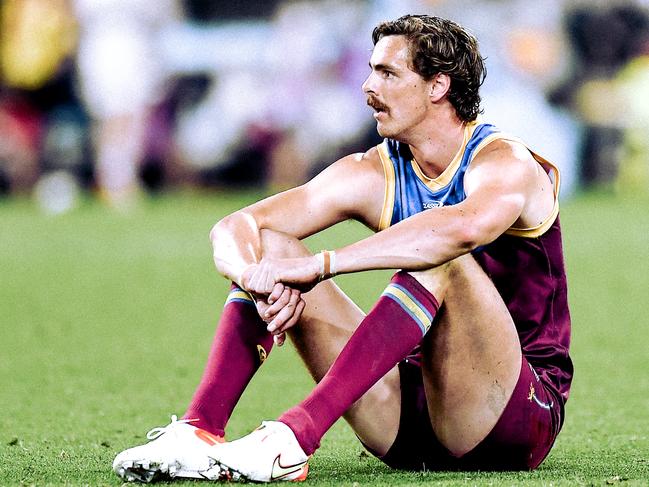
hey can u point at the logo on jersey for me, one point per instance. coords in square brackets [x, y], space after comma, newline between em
[432, 204]
[531, 396]
[262, 353]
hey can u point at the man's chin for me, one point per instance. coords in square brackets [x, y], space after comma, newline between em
[383, 131]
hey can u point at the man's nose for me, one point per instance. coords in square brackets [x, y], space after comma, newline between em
[368, 85]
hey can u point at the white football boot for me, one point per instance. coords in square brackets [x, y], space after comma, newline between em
[178, 450]
[268, 454]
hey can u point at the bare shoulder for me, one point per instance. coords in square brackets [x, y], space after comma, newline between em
[505, 151]
[504, 159]
[508, 168]
[352, 182]
[372, 157]
[365, 164]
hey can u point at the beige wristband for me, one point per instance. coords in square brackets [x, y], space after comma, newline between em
[327, 260]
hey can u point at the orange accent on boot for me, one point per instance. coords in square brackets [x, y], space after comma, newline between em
[303, 475]
[208, 437]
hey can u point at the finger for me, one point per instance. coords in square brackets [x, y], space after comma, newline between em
[278, 289]
[244, 276]
[280, 304]
[279, 339]
[261, 306]
[263, 281]
[289, 300]
[285, 313]
[253, 281]
[297, 314]
[259, 282]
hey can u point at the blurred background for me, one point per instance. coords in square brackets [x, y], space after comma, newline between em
[140, 123]
[118, 99]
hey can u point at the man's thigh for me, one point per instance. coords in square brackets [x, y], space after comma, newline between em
[520, 440]
[526, 430]
[471, 355]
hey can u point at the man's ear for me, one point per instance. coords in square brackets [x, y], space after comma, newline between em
[439, 86]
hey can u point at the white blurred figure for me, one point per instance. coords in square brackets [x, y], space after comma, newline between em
[533, 58]
[57, 192]
[232, 55]
[313, 102]
[120, 79]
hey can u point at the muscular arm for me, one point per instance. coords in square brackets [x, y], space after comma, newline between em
[346, 189]
[501, 187]
[504, 185]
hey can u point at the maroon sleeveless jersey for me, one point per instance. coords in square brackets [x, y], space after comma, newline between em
[530, 276]
[526, 265]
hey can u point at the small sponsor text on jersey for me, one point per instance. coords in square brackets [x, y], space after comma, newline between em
[432, 204]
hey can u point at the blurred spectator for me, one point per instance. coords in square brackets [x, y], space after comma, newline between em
[604, 37]
[36, 62]
[525, 55]
[633, 85]
[317, 99]
[281, 99]
[120, 80]
[267, 92]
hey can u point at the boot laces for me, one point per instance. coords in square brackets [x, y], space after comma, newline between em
[161, 430]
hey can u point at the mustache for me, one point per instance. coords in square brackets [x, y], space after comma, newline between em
[376, 104]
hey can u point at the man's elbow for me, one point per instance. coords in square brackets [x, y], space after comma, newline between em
[223, 227]
[472, 236]
[216, 230]
[239, 225]
[467, 238]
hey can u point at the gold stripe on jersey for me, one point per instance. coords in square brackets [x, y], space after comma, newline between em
[544, 226]
[448, 173]
[388, 198]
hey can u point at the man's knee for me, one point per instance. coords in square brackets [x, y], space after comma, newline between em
[438, 279]
[281, 245]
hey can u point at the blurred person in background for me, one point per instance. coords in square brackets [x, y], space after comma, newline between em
[265, 114]
[37, 96]
[120, 79]
[319, 93]
[604, 38]
[463, 362]
[526, 55]
[633, 86]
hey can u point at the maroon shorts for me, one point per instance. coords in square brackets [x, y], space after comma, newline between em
[521, 439]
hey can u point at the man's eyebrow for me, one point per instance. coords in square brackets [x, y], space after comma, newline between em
[383, 67]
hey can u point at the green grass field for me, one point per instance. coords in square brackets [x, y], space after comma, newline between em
[106, 320]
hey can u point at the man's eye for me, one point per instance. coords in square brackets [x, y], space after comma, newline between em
[387, 74]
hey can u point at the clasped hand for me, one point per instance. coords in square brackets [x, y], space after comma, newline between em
[277, 285]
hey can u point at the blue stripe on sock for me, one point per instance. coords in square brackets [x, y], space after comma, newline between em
[415, 300]
[410, 313]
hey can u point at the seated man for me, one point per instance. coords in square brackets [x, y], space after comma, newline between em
[463, 360]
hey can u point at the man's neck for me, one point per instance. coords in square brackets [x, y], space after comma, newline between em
[435, 145]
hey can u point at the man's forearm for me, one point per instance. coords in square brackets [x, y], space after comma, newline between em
[418, 243]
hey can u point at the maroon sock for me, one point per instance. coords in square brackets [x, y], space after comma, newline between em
[390, 331]
[240, 346]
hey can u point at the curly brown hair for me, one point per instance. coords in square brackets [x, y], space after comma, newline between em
[441, 46]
